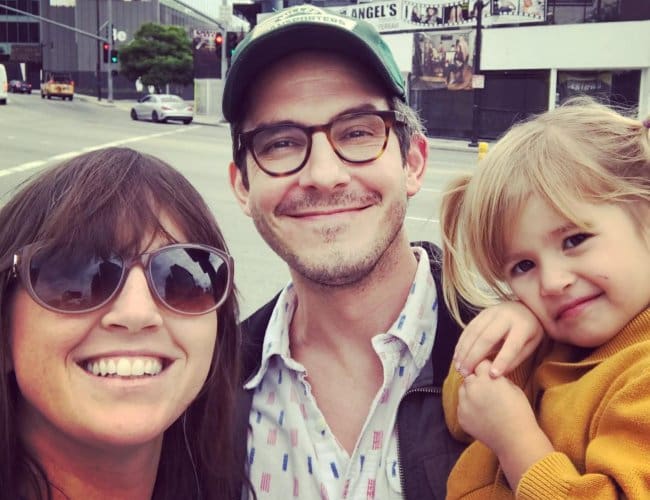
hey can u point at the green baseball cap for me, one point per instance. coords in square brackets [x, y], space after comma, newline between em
[306, 27]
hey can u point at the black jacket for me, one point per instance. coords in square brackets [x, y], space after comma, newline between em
[426, 450]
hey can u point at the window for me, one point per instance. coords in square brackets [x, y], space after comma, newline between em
[34, 33]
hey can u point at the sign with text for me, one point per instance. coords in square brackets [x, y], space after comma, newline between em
[405, 15]
[26, 53]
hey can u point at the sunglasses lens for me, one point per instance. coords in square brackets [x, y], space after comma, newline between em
[73, 282]
[190, 280]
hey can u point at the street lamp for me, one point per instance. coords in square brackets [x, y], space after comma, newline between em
[476, 105]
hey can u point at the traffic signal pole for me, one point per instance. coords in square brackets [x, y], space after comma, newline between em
[109, 66]
[224, 54]
[98, 68]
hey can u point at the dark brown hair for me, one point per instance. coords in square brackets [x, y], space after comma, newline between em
[106, 200]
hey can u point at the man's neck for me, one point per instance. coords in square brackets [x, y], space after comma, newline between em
[341, 315]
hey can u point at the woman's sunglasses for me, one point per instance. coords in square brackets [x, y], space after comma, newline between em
[186, 278]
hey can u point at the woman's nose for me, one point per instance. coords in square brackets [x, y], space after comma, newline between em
[134, 309]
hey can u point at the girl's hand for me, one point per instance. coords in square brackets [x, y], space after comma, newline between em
[508, 329]
[492, 409]
[497, 412]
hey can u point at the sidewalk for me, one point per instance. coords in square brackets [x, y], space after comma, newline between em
[217, 121]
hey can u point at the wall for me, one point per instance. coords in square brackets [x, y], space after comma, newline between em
[572, 46]
[592, 46]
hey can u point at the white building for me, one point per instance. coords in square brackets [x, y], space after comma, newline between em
[534, 54]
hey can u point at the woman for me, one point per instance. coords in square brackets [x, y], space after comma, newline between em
[118, 336]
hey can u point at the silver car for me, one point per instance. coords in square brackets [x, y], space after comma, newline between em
[162, 107]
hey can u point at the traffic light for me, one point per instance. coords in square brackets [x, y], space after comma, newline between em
[232, 39]
[106, 47]
[218, 40]
[231, 42]
[114, 56]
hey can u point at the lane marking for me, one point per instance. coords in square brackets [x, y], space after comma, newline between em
[463, 170]
[64, 156]
[422, 219]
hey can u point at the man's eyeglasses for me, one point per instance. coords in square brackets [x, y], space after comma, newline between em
[283, 149]
[186, 278]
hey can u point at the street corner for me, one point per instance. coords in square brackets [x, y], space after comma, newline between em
[460, 145]
[213, 121]
[103, 102]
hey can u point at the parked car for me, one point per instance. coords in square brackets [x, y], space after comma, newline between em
[20, 86]
[3, 85]
[162, 107]
[57, 85]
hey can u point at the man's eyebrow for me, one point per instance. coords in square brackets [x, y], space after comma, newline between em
[354, 109]
[357, 109]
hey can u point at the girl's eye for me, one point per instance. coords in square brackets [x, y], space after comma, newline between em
[575, 240]
[522, 267]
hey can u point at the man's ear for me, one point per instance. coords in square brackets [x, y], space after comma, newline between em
[238, 187]
[416, 163]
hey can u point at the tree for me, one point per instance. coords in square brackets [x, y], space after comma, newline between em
[158, 55]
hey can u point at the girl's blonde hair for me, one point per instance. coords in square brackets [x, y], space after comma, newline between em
[580, 151]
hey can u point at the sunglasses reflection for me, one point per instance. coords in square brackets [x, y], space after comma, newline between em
[186, 279]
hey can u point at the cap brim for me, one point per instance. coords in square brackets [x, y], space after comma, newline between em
[271, 47]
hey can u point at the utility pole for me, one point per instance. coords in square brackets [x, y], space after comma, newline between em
[224, 43]
[98, 68]
[476, 105]
[111, 41]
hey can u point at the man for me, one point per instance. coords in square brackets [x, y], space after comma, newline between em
[343, 369]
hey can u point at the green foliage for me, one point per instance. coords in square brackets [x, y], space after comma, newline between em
[158, 55]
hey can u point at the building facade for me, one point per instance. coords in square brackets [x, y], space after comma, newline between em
[527, 56]
[37, 39]
[532, 55]
[20, 40]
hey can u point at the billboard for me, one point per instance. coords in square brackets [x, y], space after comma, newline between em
[206, 52]
[409, 15]
[442, 60]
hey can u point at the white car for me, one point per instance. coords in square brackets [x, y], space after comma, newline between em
[162, 107]
[4, 85]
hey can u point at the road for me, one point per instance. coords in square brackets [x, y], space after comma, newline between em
[35, 133]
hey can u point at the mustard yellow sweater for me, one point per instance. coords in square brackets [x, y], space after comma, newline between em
[595, 409]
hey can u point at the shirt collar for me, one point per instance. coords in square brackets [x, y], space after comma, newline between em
[415, 326]
[276, 338]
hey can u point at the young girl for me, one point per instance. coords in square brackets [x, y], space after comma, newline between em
[118, 336]
[558, 217]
